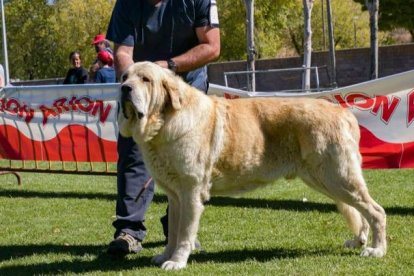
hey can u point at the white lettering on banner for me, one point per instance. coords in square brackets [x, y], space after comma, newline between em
[81, 104]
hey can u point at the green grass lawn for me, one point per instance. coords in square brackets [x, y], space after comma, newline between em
[61, 224]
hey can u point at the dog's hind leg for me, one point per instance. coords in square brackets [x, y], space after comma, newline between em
[357, 223]
[340, 174]
[190, 210]
[375, 215]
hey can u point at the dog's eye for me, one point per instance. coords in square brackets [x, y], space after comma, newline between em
[124, 77]
[145, 79]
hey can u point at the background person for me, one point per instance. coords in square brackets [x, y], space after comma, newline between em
[182, 36]
[101, 44]
[77, 74]
[106, 73]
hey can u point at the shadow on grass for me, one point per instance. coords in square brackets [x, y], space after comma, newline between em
[19, 251]
[399, 210]
[100, 261]
[295, 205]
[66, 195]
[290, 205]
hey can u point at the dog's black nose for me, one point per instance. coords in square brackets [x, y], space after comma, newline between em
[126, 89]
[125, 97]
[125, 93]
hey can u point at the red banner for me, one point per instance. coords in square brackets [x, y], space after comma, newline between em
[59, 123]
[78, 122]
[384, 109]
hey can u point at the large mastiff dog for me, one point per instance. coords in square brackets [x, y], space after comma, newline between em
[196, 146]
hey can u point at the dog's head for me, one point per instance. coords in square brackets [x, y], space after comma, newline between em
[147, 91]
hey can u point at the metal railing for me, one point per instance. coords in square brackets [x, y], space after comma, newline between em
[15, 167]
[249, 73]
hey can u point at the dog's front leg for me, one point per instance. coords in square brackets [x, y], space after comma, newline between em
[190, 208]
[173, 219]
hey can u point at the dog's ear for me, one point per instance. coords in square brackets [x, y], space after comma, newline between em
[171, 87]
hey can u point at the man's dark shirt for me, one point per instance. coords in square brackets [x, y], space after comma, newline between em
[162, 32]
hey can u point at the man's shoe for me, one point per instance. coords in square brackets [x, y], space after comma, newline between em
[124, 244]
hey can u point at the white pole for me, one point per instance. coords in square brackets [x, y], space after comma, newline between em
[6, 58]
[251, 52]
[331, 44]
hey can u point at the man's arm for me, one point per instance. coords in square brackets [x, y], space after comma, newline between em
[123, 58]
[206, 51]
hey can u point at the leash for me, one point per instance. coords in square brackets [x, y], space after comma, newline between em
[143, 189]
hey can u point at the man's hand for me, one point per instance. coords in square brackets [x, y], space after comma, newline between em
[206, 51]
[123, 58]
[162, 63]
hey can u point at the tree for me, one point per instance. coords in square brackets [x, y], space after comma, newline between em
[269, 23]
[77, 22]
[395, 14]
[41, 36]
[279, 27]
[27, 47]
[232, 29]
[345, 15]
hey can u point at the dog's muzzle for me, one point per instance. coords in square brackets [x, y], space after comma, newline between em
[126, 99]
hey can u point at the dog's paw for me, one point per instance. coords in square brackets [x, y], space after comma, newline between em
[159, 259]
[352, 244]
[171, 265]
[373, 252]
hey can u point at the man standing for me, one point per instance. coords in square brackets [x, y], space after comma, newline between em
[101, 44]
[181, 35]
